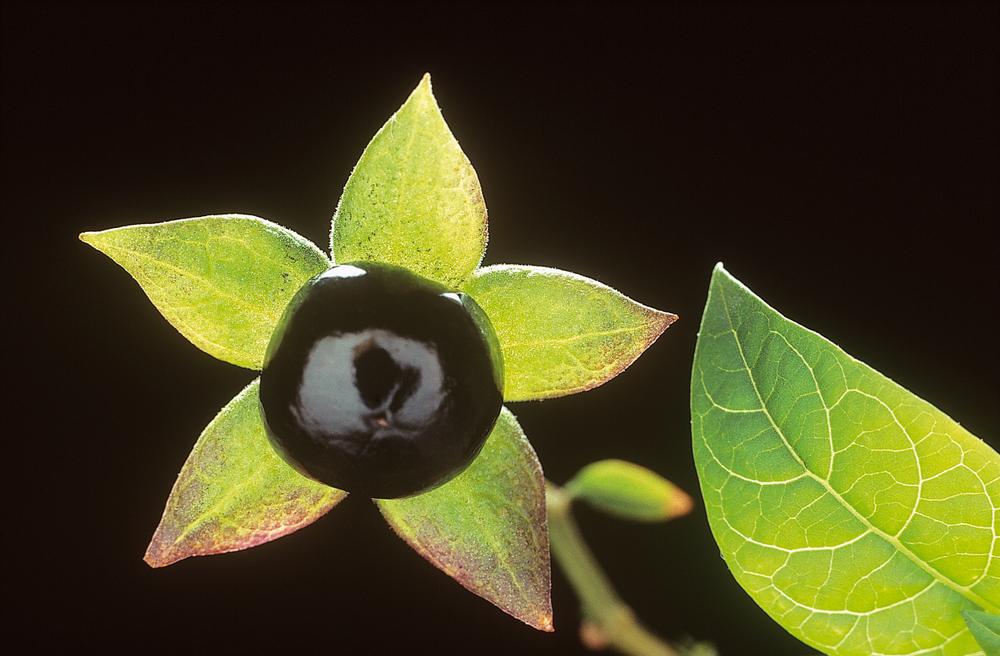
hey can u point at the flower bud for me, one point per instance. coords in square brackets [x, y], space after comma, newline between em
[629, 491]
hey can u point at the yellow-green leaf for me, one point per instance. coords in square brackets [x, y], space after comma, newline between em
[234, 492]
[413, 199]
[860, 517]
[487, 527]
[561, 333]
[222, 281]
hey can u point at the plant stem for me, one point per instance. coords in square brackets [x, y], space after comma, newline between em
[607, 620]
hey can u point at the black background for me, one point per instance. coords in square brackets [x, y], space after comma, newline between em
[841, 159]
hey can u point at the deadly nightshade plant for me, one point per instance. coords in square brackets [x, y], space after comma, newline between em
[412, 201]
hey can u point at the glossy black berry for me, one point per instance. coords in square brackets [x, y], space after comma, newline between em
[380, 382]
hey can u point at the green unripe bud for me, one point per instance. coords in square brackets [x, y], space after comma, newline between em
[629, 491]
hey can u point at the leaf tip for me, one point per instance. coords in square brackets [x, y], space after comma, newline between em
[157, 556]
[985, 629]
[152, 561]
[423, 91]
[164, 548]
[659, 321]
[665, 319]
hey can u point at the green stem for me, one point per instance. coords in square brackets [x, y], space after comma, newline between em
[607, 620]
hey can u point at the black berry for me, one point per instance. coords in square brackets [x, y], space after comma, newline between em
[380, 382]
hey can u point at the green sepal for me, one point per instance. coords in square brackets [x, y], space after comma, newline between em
[487, 528]
[629, 491]
[222, 281]
[560, 332]
[860, 517]
[413, 198]
[234, 492]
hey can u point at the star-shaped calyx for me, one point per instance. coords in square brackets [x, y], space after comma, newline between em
[413, 200]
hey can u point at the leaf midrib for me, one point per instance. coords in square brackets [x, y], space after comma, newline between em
[485, 529]
[565, 341]
[208, 284]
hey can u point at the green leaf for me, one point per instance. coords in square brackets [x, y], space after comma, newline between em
[222, 281]
[860, 517]
[561, 333]
[487, 527]
[985, 629]
[234, 492]
[413, 199]
[628, 491]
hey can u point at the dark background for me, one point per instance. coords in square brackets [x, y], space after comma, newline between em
[841, 159]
